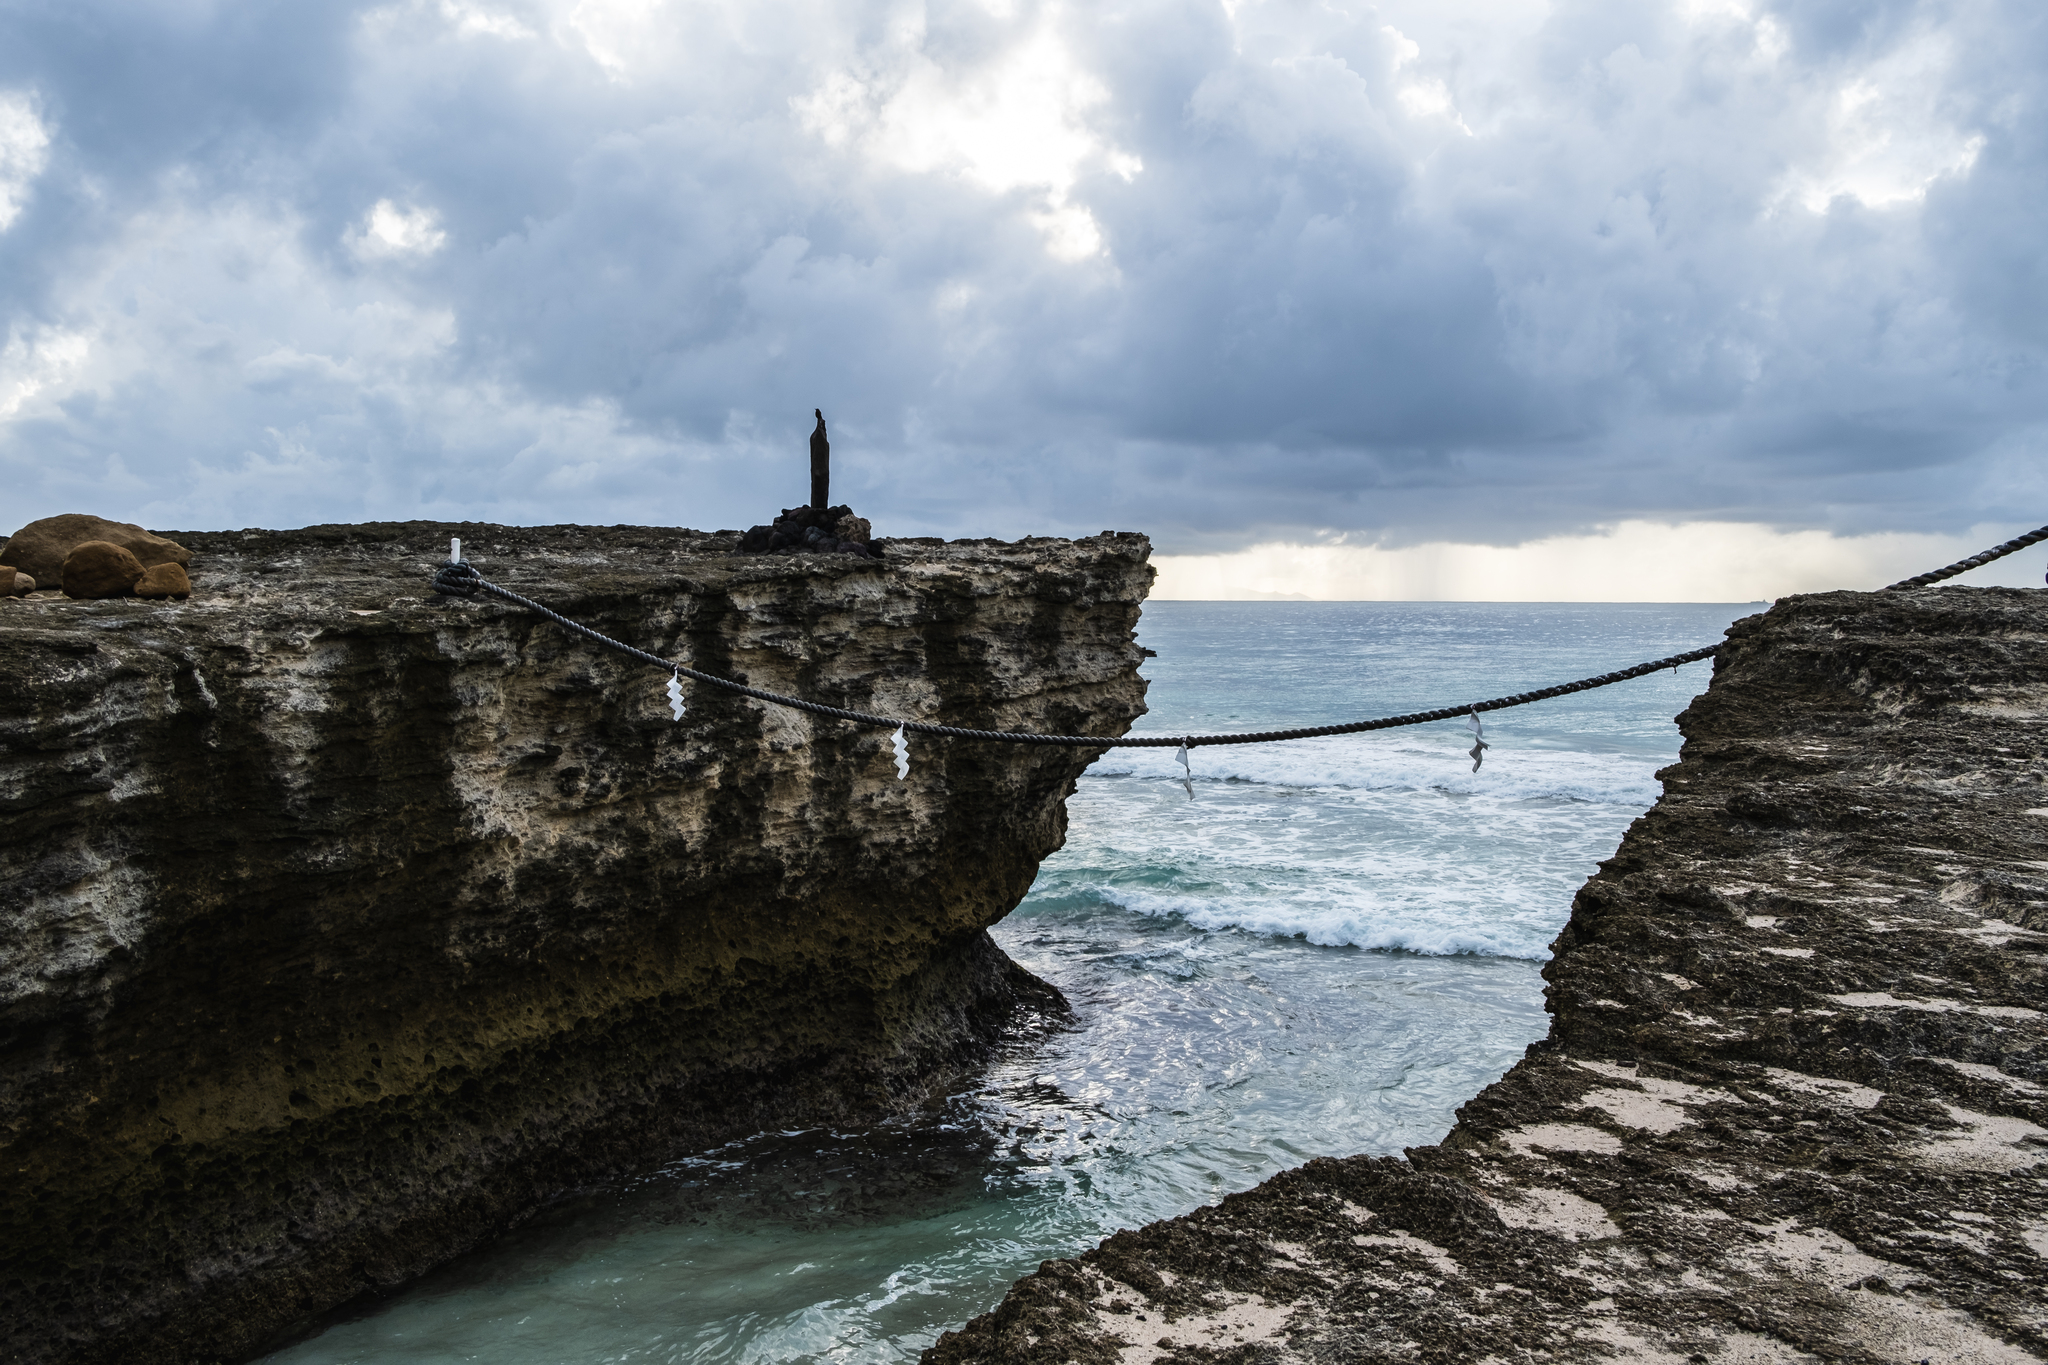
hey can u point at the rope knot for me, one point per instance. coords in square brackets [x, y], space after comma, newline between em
[457, 579]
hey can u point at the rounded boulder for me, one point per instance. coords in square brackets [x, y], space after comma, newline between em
[40, 548]
[100, 568]
[164, 580]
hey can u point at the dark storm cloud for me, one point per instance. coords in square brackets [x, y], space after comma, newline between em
[1482, 271]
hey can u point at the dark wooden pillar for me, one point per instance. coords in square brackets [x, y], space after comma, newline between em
[821, 465]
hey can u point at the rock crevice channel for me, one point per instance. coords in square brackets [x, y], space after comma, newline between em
[345, 924]
[1793, 1106]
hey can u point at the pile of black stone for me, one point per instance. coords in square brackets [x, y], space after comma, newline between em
[813, 530]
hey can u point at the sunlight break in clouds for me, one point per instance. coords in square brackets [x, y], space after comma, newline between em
[24, 152]
[1017, 122]
[389, 231]
[1888, 139]
[473, 20]
[1635, 561]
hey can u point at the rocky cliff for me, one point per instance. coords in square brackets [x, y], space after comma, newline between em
[345, 923]
[1794, 1101]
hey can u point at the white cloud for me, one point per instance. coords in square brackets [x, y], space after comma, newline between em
[1890, 131]
[24, 152]
[473, 20]
[36, 360]
[1634, 561]
[388, 232]
[1016, 121]
[619, 35]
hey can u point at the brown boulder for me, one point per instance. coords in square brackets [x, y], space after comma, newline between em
[40, 548]
[163, 580]
[100, 568]
[21, 586]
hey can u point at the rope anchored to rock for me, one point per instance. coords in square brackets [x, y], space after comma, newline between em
[458, 578]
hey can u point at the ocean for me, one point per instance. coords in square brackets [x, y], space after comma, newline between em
[1324, 950]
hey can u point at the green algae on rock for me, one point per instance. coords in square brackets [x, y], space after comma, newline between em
[348, 924]
[1794, 1101]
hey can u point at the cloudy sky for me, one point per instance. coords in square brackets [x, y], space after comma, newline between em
[1485, 298]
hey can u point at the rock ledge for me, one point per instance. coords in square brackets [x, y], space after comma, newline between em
[346, 924]
[1794, 1101]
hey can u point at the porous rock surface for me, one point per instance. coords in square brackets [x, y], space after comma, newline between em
[1792, 1103]
[346, 924]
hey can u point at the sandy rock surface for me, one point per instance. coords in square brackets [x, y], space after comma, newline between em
[347, 924]
[1794, 1102]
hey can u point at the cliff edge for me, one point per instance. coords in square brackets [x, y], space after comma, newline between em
[1794, 1101]
[345, 924]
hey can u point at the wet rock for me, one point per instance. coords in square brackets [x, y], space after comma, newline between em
[99, 568]
[163, 580]
[40, 548]
[345, 925]
[1794, 1101]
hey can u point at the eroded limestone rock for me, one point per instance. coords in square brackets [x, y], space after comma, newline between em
[345, 923]
[1794, 1102]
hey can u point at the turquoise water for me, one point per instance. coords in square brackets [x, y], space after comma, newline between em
[1326, 950]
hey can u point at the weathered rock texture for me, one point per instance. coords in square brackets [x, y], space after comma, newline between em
[344, 925]
[1792, 1103]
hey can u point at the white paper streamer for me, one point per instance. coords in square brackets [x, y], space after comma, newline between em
[902, 754]
[1479, 744]
[1187, 774]
[675, 694]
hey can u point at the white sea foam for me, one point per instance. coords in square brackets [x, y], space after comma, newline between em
[1359, 920]
[1383, 842]
[1385, 763]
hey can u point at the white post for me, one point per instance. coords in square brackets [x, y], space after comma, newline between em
[455, 550]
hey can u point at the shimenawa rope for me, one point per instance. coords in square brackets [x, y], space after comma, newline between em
[458, 578]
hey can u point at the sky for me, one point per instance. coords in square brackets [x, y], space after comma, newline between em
[1593, 299]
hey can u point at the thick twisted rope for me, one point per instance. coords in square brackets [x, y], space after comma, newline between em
[460, 579]
[1974, 561]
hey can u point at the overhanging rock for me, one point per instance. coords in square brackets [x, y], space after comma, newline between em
[345, 925]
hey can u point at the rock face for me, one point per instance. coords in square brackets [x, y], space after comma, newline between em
[346, 924]
[1794, 1102]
